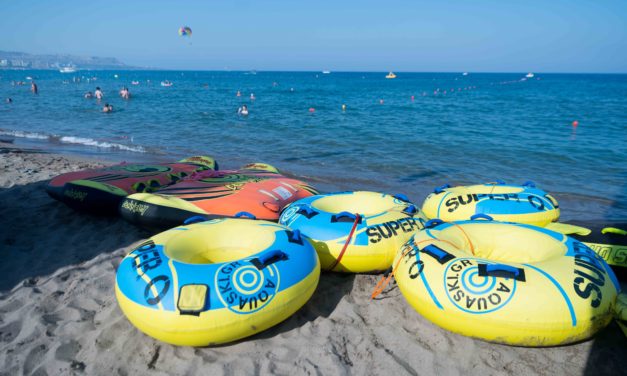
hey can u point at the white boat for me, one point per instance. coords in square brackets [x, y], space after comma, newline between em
[529, 75]
[465, 74]
[67, 69]
[326, 72]
[390, 75]
[134, 82]
[166, 83]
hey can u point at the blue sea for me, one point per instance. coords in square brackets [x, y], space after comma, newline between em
[404, 135]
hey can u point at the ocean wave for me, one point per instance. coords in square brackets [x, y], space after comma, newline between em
[75, 140]
[100, 144]
[23, 134]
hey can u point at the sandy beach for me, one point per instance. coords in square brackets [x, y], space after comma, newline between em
[59, 315]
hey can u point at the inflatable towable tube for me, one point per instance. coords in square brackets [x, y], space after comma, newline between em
[607, 238]
[216, 281]
[514, 203]
[256, 188]
[101, 190]
[355, 232]
[508, 283]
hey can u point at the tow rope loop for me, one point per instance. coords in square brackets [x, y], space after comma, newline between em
[472, 247]
[348, 240]
[385, 280]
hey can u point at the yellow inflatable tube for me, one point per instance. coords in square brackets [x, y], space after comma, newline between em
[508, 283]
[504, 202]
[355, 232]
[217, 281]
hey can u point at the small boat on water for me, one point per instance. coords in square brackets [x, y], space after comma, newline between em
[465, 74]
[390, 75]
[529, 75]
[326, 72]
[166, 83]
[134, 82]
[68, 69]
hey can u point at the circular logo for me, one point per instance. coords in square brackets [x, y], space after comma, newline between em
[142, 168]
[473, 293]
[243, 288]
[288, 213]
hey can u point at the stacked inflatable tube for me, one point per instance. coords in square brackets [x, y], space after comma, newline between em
[217, 281]
[355, 232]
[513, 203]
[508, 283]
[101, 190]
[256, 188]
[607, 238]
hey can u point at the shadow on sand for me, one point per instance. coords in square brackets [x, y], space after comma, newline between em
[39, 235]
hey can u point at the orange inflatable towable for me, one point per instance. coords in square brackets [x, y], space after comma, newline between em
[257, 189]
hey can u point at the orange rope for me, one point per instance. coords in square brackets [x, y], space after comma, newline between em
[348, 240]
[472, 248]
[383, 282]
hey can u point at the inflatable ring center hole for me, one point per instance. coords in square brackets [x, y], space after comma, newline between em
[504, 243]
[364, 203]
[194, 246]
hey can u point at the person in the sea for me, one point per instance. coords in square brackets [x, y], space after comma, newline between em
[88, 95]
[98, 93]
[107, 108]
[9, 100]
[124, 93]
[242, 110]
[33, 87]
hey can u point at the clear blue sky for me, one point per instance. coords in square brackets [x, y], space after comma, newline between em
[364, 35]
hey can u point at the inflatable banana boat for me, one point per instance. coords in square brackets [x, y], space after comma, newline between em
[514, 203]
[355, 232]
[216, 281]
[508, 283]
[607, 238]
[257, 188]
[101, 190]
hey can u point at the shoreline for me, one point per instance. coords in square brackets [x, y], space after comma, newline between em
[574, 205]
[60, 316]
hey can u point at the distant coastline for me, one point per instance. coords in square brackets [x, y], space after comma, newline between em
[11, 60]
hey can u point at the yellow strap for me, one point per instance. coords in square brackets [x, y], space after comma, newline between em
[613, 230]
[568, 229]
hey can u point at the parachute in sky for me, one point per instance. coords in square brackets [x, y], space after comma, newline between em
[185, 31]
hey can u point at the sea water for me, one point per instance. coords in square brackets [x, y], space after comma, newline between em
[404, 135]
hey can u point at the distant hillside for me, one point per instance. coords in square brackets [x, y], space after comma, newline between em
[22, 60]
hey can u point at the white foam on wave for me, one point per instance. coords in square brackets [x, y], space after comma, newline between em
[73, 140]
[100, 144]
[23, 134]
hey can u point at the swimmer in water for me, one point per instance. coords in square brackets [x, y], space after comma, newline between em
[124, 93]
[88, 95]
[252, 96]
[98, 93]
[9, 100]
[243, 111]
[33, 88]
[238, 94]
[107, 108]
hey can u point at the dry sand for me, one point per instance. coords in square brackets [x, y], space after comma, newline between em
[58, 313]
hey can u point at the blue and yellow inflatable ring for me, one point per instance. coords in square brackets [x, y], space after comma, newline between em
[216, 281]
[504, 202]
[506, 282]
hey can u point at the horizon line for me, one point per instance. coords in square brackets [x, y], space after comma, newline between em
[134, 68]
